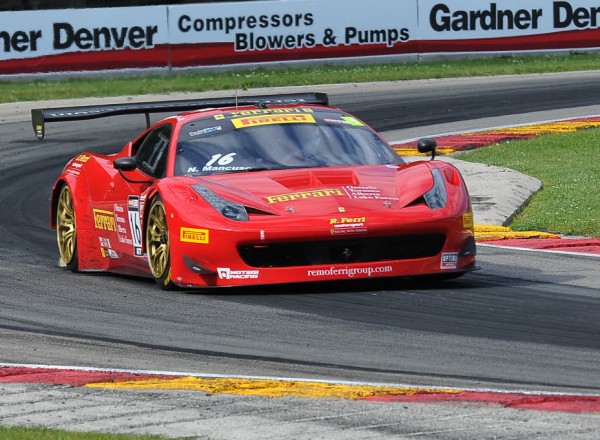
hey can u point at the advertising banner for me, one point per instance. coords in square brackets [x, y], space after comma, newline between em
[281, 31]
[267, 31]
[508, 25]
[83, 39]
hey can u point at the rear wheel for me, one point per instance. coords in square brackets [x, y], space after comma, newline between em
[66, 230]
[157, 245]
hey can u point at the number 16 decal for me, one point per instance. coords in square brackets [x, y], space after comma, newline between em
[133, 212]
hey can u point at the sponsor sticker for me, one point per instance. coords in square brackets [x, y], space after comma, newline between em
[82, 158]
[208, 130]
[449, 260]
[366, 193]
[352, 121]
[135, 224]
[105, 242]
[109, 253]
[267, 111]
[350, 272]
[104, 220]
[254, 121]
[192, 235]
[467, 220]
[226, 273]
[348, 225]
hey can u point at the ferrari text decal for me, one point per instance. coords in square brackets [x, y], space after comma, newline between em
[226, 273]
[304, 195]
[192, 235]
[104, 220]
[253, 121]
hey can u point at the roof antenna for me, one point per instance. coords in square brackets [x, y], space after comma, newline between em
[236, 98]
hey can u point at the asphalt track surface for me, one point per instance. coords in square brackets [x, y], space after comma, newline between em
[524, 322]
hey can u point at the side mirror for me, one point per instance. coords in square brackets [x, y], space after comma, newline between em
[125, 164]
[427, 145]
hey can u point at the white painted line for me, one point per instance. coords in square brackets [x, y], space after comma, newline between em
[550, 251]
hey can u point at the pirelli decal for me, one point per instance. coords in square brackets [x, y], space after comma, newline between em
[192, 235]
[104, 220]
[304, 195]
[254, 121]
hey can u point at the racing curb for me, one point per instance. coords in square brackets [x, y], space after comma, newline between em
[286, 387]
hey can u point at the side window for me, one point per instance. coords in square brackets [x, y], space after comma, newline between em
[153, 151]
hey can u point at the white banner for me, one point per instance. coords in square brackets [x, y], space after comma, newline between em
[54, 32]
[294, 24]
[454, 19]
[260, 32]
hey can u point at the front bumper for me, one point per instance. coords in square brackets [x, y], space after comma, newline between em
[276, 250]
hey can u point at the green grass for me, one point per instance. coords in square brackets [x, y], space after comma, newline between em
[568, 166]
[19, 433]
[14, 91]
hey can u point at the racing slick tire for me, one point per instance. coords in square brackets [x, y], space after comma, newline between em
[66, 230]
[157, 245]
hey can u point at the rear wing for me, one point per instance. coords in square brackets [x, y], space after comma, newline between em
[39, 117]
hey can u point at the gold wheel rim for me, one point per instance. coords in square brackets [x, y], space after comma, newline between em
[66, 233]
[157, 240]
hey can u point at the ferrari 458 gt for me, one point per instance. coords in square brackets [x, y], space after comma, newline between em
[257, 190]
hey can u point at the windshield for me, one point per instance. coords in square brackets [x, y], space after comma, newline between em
[277, 139]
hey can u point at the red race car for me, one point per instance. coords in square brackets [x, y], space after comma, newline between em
[257, 190]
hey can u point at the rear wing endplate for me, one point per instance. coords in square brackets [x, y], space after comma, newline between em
[39, 117]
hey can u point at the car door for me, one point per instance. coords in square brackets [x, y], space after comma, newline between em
[123, 200]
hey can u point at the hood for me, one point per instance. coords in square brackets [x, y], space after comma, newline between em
[310, 191]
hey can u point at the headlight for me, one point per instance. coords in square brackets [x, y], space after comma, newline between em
[437, 196]
[230, 210]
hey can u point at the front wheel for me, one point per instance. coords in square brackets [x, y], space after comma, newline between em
[66, 230]
[157, 245]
